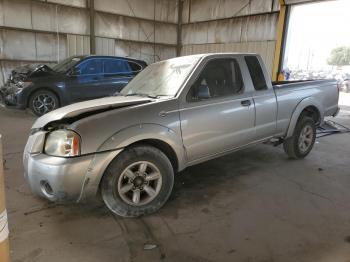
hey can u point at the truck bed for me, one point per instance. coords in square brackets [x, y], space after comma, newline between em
[289, 94]
[280, 84]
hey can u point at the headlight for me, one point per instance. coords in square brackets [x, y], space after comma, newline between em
[24, 84]
[64, 143]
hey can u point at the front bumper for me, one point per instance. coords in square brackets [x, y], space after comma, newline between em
[56, 178]
[60, 179]
[2, 101]
[12, 96]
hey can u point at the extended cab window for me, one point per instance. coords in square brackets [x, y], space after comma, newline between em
[116, 66]
[256, 73]
[219, 78]
[91, 67]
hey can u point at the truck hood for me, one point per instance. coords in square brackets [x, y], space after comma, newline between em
[82, 109]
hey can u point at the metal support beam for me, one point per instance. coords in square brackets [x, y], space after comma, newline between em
[179, 27]
[92, 27]
[65, 34]
[237, 17]
[281, 26]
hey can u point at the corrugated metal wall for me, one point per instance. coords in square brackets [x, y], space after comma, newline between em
[78, 45]
[264, 48]
[50, 30]
[230, 26]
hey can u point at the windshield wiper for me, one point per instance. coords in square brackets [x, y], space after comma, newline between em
[140, 94]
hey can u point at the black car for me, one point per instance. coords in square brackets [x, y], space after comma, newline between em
[43, 89]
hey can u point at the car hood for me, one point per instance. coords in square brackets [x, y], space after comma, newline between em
[83, 109]
[24, 72]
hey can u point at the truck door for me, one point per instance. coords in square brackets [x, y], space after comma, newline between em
[217, 115]
[264, 99]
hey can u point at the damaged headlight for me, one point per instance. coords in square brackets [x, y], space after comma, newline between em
[24, 84]
[63, 143]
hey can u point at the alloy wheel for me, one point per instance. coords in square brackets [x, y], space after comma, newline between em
[139, 183]
[43, 103]
[305, 138]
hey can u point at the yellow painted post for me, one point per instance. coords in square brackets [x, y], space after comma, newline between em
[279, 40]
[4, 232]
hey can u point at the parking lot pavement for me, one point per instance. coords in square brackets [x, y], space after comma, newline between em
[252, 205]
[344, 98]
[344, 102]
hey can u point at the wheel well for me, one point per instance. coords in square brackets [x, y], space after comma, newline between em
[46, 89]
[313, 112]
[162, 146]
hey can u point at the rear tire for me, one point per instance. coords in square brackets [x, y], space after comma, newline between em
[138, 182]
[43, 101]
[302, 141]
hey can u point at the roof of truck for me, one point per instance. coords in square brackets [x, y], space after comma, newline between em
[222, 53]
[212, 54]
[199, 56]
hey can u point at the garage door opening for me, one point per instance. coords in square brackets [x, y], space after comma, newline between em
[318, 44]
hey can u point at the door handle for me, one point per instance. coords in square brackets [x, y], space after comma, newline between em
[163, 113]
[246, 103]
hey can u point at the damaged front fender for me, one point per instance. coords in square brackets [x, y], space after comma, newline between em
[74, 112]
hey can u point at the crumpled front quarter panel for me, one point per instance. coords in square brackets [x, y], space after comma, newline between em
[109, 130]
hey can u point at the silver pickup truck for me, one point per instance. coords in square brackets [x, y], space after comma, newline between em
[174, 114]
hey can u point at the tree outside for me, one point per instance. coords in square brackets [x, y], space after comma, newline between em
[339, 56]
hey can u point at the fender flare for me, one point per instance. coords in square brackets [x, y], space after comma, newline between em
[136, 133]
[306, 102]
[115, 144]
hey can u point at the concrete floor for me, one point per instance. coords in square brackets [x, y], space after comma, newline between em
[253, 205]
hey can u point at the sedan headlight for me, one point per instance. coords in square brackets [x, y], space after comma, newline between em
[63, 143]
[24, 84]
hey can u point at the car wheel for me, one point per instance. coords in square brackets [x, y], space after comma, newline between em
[138, 182]
[303, 139]
[42, 102]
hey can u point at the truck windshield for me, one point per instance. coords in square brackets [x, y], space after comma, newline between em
[66, 64]
[163, 78]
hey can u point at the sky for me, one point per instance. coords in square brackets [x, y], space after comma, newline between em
[314, 30]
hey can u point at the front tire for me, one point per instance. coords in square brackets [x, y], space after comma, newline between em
[42, 102]
[138, 182]
[302, 141]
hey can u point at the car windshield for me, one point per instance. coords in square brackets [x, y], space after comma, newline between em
[161, 79]
[66, 64]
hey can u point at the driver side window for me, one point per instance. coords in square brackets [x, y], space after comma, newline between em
[91, 67]
[219, 78]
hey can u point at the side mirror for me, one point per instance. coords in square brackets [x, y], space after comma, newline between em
[203, 92]
[75, 72]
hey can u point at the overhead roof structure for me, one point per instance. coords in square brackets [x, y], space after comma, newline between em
[47, 31]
